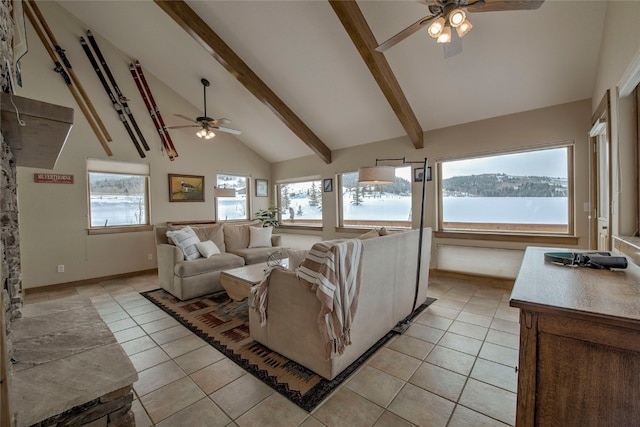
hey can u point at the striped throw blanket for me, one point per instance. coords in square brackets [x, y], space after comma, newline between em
[332, 271]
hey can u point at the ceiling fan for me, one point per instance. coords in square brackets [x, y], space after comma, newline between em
[206, 123]
[448, 14]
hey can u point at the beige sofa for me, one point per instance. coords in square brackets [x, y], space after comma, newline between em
[189, 279]
[387, 289]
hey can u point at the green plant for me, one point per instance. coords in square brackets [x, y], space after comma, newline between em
[268, 217]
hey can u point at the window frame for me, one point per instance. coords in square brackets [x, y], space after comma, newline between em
[123, 168]
[309, 224]
[399, 224]
[247, 198]
[529, 235]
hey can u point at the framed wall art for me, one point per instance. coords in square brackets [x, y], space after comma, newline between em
[262, 188]
[327, 185]
[186, 188]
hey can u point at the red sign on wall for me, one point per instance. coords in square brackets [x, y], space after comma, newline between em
[53, 178]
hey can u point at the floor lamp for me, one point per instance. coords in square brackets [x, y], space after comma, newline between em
[380, 174]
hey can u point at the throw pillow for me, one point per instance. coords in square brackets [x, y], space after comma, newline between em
[237, 236]
[296, 256]
[207, 248]
[260, 237]
[369, 234]
[186, 240]
[211, 232]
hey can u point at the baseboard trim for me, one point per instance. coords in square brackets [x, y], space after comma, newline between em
[500, 282]
[66, 285]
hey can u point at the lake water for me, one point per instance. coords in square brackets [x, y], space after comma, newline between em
[513, 210]
[125, 210]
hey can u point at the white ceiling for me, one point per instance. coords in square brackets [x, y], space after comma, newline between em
[511, 61]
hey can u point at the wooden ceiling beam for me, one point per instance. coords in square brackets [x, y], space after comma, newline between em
[195, 26]
[356, 26]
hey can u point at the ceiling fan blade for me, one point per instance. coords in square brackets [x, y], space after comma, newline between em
[454, 47]
[499, 5]
[182, 127]
[222, 121]
[184, 117]
[405, 33]
[227, 130]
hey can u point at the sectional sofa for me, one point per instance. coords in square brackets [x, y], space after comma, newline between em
[190, 278]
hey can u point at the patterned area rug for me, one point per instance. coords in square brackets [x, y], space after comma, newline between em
[224, 324]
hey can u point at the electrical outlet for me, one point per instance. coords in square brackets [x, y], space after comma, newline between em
[150, 257]
[61, 268]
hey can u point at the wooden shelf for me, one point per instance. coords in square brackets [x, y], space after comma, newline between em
[37, 144]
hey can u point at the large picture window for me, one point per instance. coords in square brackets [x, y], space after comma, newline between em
[233, 208]
[301, 203]
[526, 192]
[376, 205]
[118, 194]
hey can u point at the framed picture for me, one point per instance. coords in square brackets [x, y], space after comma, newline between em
[417, 174]
[262, 188]
[327, 185]
[186, 188]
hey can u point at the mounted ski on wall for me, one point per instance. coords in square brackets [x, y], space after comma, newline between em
[81, 98]
[123, 100]
[112, 97]
[154, 112]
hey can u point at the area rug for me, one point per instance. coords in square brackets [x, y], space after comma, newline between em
[224, 324]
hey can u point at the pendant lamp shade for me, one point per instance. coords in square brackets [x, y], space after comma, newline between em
[376, 175]
[224, 192]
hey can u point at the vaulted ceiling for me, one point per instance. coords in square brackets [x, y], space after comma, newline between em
[293, 75]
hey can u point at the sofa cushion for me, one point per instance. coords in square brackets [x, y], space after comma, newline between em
[296, 256]
[237, 236]
[254, 255]
[369, 234]
[207, 248]
[260, 237]
[186, 240]
[224, 261]
[205, 232]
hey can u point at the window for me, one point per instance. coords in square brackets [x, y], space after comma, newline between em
[230, 208]
[376, 205]
[118, 195]
[301, 203]
[524, 192]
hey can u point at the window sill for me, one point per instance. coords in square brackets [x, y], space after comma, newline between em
[510, 237]
[300, 227]
[117, 230]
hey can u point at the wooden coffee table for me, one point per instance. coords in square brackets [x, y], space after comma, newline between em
[238, 281]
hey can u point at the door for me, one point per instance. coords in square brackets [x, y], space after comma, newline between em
[603, 203]
[601, 178]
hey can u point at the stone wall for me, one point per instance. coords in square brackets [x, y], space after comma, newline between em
[110, 410]
[9, 240]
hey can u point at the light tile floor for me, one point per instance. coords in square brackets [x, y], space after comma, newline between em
[455, 366]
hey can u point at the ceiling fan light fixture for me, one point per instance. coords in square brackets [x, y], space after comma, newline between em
[209, 134]
[445, 35]
[457, 17]
[464, 28]
[436, 27]
[202, 133]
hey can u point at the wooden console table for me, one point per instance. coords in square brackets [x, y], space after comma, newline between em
[579, 359]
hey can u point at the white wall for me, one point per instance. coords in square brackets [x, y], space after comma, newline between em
[54, 217]
[620, 44]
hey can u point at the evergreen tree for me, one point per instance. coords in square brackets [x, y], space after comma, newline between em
[356, 196]
[286, 200]
[314, 195]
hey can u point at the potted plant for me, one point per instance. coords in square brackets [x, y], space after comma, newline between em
[268, 217]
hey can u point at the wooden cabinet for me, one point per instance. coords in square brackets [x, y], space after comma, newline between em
[579, 362]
